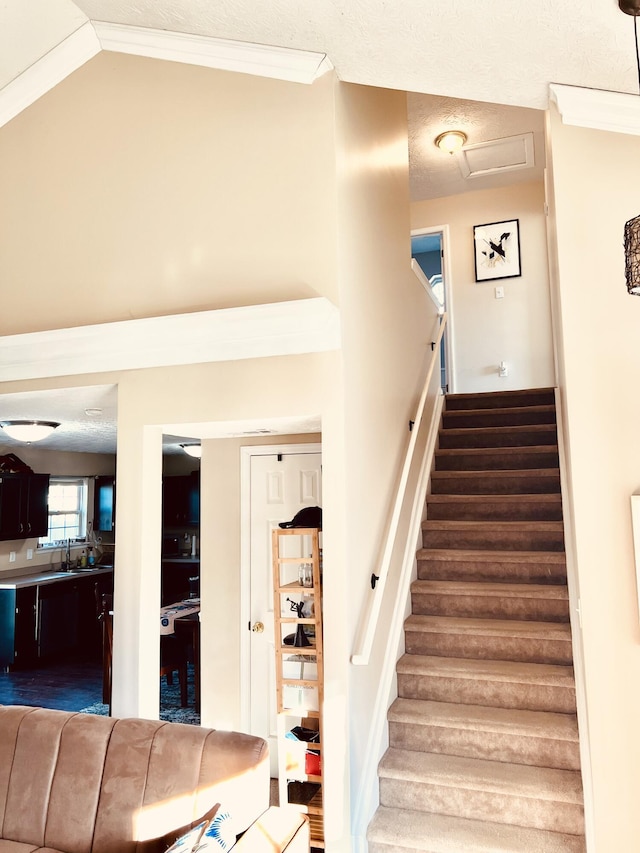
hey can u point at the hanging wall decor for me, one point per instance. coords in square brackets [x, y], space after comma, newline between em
[632, 255]
[497, 250]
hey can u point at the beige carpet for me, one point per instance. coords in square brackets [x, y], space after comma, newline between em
[483, 740]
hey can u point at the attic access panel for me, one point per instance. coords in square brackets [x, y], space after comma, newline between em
[497, 155]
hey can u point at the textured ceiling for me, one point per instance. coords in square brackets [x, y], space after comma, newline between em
[83, 432]
[500, 51]
[78, 431]
[483, 67]
[435, 173]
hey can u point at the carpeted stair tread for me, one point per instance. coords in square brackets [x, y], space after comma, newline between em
[479, 589]
[508, 672]
[556, 558]
[544, 507]
[484, 599]
[553, 499]
[501, 399]
[489, 627]
[484, 719]
[492, 458]
[447, 524]
[521, 435]
[507, 535]
[528, 481]
[545, 567]
[408, 831]
[541, 783]
[507, 416]
[489, 638]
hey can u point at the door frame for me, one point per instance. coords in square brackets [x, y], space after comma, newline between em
[443, 230]
[246, 453]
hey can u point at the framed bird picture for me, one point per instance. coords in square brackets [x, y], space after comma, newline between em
[497, 250]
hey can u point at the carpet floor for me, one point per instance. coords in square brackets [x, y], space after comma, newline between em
[170, 709]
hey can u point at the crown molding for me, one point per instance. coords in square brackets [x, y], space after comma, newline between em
[230, 334]
[597, 108]
[280, 63]
[298, 66]
[48, 71]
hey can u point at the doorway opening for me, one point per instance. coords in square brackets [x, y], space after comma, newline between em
[276, 482]
[430, 262]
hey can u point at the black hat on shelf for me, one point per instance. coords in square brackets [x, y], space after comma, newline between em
[308, 516]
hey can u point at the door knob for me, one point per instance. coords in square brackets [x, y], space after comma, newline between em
[257, 627]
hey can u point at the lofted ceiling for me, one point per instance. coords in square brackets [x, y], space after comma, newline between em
[483, 67]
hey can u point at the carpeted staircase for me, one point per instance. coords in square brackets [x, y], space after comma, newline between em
[483, 754]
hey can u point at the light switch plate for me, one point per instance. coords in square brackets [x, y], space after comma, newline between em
[29, 553]
[12, 556]
[499, 292]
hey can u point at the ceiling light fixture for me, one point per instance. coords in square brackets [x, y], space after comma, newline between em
[29, 431]
[632, 227]
[451, 141]
[194, 450]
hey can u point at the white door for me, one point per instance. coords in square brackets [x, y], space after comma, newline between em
[280, 485]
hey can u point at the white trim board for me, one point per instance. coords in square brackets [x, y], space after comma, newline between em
[255, 331]
[281, 63]
[598, 109]
[47, 72]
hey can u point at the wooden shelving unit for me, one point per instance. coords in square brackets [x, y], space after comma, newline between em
[299, 671]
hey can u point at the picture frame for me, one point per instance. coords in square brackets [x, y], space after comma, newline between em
[496, 250]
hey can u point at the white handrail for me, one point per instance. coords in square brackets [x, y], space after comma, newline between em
[361, 656]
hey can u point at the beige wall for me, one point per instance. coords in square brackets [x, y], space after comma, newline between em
[387, 320]
[486, 331]
[597, 325]
[140, 188]
[150, 188]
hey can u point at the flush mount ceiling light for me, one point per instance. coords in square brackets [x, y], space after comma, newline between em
[194, 450]
[28, 431]
[451, 141]
[632, 227]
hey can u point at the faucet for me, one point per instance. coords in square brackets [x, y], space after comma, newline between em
[67, 562]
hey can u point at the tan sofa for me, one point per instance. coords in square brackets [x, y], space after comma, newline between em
[77, 783]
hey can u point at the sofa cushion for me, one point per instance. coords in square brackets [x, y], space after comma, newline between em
[278, 829]
[87, 784]
[19, 847]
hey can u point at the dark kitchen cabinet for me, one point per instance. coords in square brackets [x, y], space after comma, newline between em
[104, 504]
[58, 618]
[180, 580]
[24, 508]
[181, 501]
[48, 620]
[18, 643]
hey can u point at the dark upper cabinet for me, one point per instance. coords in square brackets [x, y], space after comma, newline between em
[181, 500]
[104, 504]
[24, 505]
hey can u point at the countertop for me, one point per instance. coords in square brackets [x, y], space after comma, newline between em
[45, 576]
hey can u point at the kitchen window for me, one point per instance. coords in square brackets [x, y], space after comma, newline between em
[67, 510]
